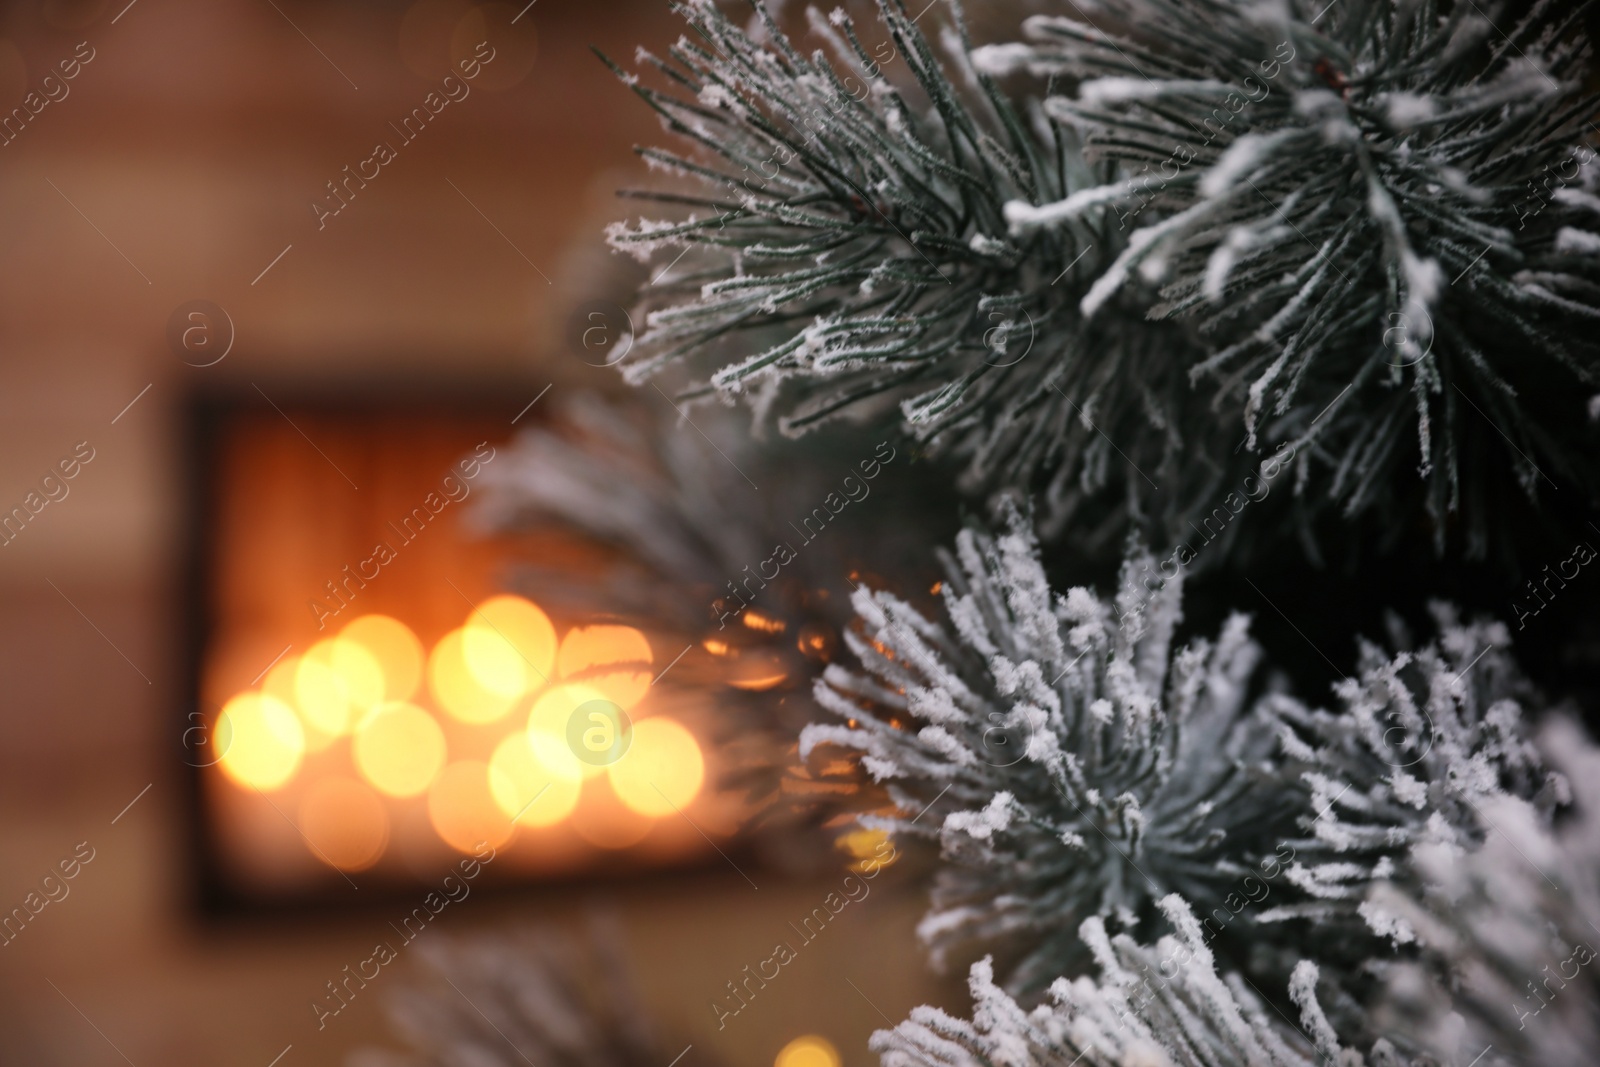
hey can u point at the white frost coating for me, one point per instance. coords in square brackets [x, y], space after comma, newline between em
[985, 245]
[1409, 790]
[1303, 991]
[982, 824]
[1160, 1005]
[1126, 90]
[1387, 924]
[1242, 157]
[999, 60]
[1022, 216]
[1577, 198]
[1581, 242]
[1405, 110]
[1318, 105]
[640, 240]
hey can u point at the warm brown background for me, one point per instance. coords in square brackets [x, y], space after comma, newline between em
[194, 143]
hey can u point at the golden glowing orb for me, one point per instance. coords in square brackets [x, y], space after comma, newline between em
[266, 741]
[335, 683]
[399, 749]
[613, 659]
[871, 849]
[526, 789]
[810, 1050]
[457, 689]
[395, 648]
[662, 771]
[280, 685]
[509, 646]
[600, 646]
[548, 723]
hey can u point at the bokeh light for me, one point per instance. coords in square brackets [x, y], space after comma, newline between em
[280, 685]
[395, 648]
[399, 749]
[757, 671]
[462, 808]
[457, 689]
[509, 646]
[344, 822]
[605, 822]
[866, 849]
[809, 1050]
[335, 683]
[663, 770]
[267, 741]
[475, 785]
[515, 43]
[547, 729]
[613, 659]
[526, 788]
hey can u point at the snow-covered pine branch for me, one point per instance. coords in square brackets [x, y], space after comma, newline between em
[1380, 215]
[1071, 763]
[1424, 739]
[840, 249]
[534, 994]
[1153, 1005]
[1509, 932]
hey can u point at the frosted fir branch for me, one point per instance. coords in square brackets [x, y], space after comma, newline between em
[1070, 761]
[518, 996]
[1509, 932]
[677, 505]
[1424, 738]
[848, 255]
[1351, 195]
[677, 542]
[1157, 1005]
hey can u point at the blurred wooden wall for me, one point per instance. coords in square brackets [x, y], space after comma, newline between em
[179, 163]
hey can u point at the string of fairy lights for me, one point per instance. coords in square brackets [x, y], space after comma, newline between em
[498, 726]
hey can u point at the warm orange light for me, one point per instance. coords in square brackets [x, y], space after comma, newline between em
[457, 689]
[604, 822]
[463, 811]
[280, 684]
[527, 789]
[662, 771]
[600, 646]
[810, 1050]
[612, 659]
[509, 646]
[623, 688]
[758, 671]
[345, 823]
[760, 683]
[335, 682]
[266, 742]
[396, 650]
[548, 723]
[867, 849]
[766, 624]
[399, 749]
